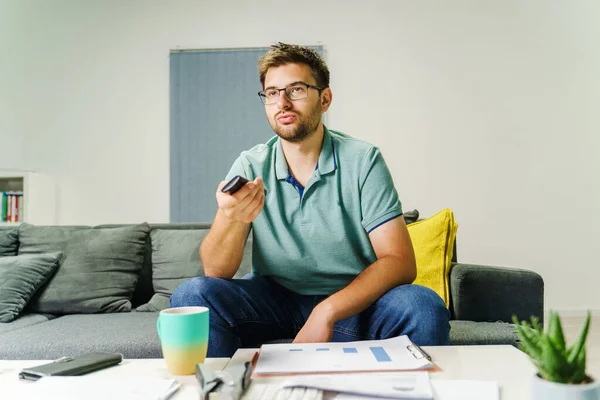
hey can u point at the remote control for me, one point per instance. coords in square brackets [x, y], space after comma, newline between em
[234, 184]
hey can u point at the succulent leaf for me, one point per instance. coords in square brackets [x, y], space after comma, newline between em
[555, 332]
[545, 374]
[535, 322]
[578, 373]
[528, 344]
[580, 342]
[553, 360]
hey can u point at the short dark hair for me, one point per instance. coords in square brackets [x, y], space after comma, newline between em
[282, 53]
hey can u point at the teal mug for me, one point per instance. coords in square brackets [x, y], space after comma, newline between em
[183, 333]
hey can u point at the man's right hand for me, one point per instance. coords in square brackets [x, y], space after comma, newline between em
[245, 204]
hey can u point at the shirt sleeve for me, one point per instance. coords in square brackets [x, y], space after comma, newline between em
[378, 197]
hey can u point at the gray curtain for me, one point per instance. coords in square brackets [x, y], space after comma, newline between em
[215, 114]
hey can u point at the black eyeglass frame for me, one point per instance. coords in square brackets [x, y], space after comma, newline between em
[263, 96]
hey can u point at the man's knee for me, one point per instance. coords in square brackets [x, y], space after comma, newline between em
[195, 291]
[426, 312]
[423, 300]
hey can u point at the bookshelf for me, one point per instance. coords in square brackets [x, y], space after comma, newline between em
[39, 196]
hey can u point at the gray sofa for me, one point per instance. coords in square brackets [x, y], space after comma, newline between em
[482, 298]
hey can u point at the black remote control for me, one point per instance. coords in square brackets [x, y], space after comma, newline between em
[234, 184]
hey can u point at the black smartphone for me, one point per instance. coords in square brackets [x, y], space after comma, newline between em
[234, 184]
[72, 366]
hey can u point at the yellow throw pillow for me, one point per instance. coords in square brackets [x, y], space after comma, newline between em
[433, 242]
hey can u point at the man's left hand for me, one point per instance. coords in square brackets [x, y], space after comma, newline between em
[318, 327]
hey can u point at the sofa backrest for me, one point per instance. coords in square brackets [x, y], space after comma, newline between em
[145, 290]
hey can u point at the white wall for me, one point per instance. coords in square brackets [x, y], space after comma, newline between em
[484, 107]
[11, 132]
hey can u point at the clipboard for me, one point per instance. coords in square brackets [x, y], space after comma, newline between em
[417, 351]
[395, 354]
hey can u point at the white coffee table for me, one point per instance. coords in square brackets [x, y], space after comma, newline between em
[506, 365]
[190, 389]
[503, 364]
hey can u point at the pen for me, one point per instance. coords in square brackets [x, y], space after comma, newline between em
[170, 391]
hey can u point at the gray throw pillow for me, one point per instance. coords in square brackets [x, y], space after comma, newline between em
[175, 258]
[9, 241]
[20, 278]
[98, 271]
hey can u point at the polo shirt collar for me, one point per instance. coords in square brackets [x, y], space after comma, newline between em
[281, 168]
[326, 164]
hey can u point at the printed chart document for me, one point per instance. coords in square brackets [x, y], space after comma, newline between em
[400, 385]
[396, 354]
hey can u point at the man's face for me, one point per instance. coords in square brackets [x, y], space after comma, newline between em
[295, 120]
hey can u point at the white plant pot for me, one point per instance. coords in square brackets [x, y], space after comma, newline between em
[546, 390]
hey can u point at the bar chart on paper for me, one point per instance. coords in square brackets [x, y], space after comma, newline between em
[374, 355]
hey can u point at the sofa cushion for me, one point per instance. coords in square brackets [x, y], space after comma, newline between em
[98, 271]
[9, 241]
[433, 243]
[20, 277]
[482, 333]
[132, 334]
[23, 321]
[175, 258]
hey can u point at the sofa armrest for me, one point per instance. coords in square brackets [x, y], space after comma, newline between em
[488, 294]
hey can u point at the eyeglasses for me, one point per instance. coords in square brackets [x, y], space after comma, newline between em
[297, 91]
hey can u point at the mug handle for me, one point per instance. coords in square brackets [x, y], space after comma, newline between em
[158, 327]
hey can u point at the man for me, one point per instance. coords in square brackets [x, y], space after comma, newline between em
[332, 258]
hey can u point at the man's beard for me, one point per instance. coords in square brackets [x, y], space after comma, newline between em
[303, 128]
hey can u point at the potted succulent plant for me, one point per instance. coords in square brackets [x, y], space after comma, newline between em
[561, 368]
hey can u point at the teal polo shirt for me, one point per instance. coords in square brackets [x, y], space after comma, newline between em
[315, 240]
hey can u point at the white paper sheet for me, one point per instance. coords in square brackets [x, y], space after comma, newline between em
[397, 353]
[446, 390]
[401, 385]
[93, 387]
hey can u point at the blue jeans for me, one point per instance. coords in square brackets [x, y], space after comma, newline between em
[248, 312]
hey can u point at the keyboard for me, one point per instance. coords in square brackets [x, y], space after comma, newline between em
[273, 392]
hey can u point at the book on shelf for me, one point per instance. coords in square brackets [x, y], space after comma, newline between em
[11, 206]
